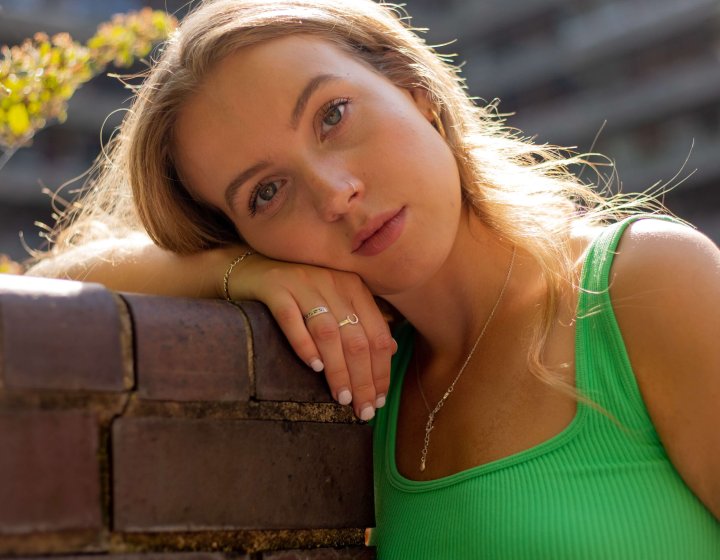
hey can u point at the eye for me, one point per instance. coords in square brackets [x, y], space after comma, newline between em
[263, 195]
[333, 113]
[267, 192]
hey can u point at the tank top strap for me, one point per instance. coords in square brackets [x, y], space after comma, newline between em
[604, 371]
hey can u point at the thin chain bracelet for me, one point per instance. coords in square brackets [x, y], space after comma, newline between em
[226, 278]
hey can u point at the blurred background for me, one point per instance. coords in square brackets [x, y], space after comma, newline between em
[641, 76]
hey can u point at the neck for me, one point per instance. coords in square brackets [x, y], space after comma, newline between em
[449, 310]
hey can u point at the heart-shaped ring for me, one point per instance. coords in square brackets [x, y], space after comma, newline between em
[349, 320]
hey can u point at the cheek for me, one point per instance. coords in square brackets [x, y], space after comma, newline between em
[411, 131]
[418, 155]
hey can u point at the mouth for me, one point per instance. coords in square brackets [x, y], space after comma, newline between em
[379, 233]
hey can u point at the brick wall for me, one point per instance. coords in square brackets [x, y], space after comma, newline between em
[167, 429]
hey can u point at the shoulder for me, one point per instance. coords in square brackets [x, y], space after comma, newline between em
[665, 277]
[665, 289]
[651, 245]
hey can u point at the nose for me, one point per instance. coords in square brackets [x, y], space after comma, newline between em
[334, 198]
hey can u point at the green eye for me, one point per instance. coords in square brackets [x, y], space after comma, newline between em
[263, 196]
[334, 115]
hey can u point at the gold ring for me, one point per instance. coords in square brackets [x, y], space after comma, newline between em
[349, 320]
[315, 311]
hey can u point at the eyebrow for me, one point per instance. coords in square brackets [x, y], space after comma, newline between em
[240, 180]
[305, 95]
[311, 87]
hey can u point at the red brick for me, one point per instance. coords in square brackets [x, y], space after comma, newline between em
[189, 349]
[279, 374]
[49, 473]
[181, 474]
[349, 553]
[58, 334]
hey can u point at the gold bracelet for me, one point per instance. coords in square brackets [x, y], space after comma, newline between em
[229, 270]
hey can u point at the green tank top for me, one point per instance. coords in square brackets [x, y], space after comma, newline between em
[595, 491]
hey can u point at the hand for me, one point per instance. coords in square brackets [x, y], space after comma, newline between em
[355, 357]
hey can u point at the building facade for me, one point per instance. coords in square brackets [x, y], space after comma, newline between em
[636, 80]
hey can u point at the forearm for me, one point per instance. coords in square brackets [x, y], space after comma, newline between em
[135, 264]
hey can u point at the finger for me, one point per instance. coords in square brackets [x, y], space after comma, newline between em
[356, 348]
[289, 318]
[356, 352]
[325, 332]
[382, 345]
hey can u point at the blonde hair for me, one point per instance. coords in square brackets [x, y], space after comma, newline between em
[523, 191]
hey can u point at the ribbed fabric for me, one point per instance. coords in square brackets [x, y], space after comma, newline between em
[597, 490]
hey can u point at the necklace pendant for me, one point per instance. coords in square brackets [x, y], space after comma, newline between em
[430, 424]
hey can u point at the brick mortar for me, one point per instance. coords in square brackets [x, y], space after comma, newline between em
[63, 542]
[117, 405]
[250, 347]
[229, 541]
[266, 410]
[127, 342]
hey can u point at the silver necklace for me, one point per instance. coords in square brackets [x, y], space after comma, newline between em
[432, 413]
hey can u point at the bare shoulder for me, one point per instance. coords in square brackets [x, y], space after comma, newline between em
[651, 245]
[665, 286]
[665, 289]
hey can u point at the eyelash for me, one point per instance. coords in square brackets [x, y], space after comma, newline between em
[331, 106]
[252, 202]
[322, 115]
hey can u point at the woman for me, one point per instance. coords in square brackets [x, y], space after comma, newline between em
[519, 422]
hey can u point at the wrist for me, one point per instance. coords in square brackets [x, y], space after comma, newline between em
[229, 270]
[217, 266]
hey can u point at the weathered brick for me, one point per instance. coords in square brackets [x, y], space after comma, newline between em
[49, 473]
[349, 553]
[58, 334]
[189, 349]
[279, 374]
[145, 556]
[181, 474]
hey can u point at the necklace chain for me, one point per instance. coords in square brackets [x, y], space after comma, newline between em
[433, 412]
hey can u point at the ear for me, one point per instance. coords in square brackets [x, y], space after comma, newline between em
[421, 97]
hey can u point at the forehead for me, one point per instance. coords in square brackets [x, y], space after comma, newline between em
[271, 73]
[245, 102]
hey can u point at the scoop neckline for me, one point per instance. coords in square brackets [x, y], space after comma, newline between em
[558, 440]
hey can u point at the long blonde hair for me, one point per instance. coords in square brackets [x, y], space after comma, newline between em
[523, 191]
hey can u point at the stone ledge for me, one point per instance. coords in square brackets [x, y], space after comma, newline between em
[147, 427]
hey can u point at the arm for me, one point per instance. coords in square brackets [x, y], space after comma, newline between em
[136, 264]
[666, 289]
[355, 359]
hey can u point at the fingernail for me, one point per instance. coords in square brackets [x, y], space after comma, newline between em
[344, 397]
[396, 346]
[380, 401]
[317, 365]
[367, 412]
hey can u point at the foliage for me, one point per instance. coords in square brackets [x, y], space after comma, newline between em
[39, 76]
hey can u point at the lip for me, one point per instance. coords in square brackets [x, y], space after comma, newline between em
[379, 233]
